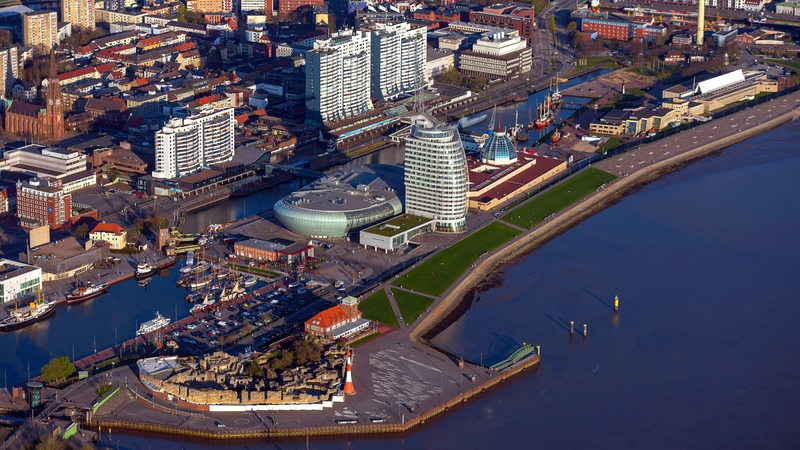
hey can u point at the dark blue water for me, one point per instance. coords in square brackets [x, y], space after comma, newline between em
[97, 323]
[703, 351]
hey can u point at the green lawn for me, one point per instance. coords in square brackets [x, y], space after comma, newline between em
[611, 143]
[411, 305]
[587, 63]
[434, 275]
[364, 339]
[377, 307]
[558, 198]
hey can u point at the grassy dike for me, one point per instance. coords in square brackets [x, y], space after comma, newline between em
[435, 275]
[569, 216]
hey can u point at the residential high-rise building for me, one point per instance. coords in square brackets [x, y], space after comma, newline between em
[9, 69]
[398, 59]
[79, 13]
[41, 202]
[251, 5]
[186, 145]
[338, 77]
[436, 178]
[40, 29]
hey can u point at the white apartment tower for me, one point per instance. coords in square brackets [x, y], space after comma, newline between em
[398, 59]
[9, 69]
[338, 77]
[40, 29]
[436, 175]
[186, 145]
[79, 13]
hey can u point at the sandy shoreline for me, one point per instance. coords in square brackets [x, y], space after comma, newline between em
[457, 294]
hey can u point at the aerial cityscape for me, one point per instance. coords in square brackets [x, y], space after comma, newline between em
[308, 223]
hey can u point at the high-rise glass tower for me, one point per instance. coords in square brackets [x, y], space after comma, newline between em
[436, 175]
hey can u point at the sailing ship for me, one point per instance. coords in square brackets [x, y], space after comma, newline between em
[86, 292]
[28, 315]
[153, 324]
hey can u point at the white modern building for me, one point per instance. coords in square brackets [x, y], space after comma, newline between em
[251, 5]
[186, 145]
[497, 56]
[398, 59]
[69, 168]
[18, 280]
[338, 77]
[436, 175]
[9, 69]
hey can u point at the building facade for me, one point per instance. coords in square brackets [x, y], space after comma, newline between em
[18, 280]
[68, 167]
[9, 69]
[186, 145]
[436, 175]
[497, 57]
[79, 13]
[515, 17]
[113, 234]
[326, 323]
[338, 77]
[40, 202]
[40, 29]
[398, 59]
[286, 7]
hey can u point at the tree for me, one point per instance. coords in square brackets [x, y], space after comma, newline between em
[182, 12]
[572, 26]
[255, 370]
[552, 25]
[82, 230]
[57, 369]
[450, 76]
[214, 58]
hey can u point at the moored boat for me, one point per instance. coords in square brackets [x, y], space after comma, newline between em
[249, 281]
[86, 292]
[466, 122]
[153, 324]
[28, 315]
[144, 270]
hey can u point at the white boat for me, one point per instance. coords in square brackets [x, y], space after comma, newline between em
[466, 122]
[249, 281]
[144, 269]
[201, 282]
[153, 324]
[199, 267]
[190, 258]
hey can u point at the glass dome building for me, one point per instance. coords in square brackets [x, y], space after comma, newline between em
[342, 201]
[499, 149]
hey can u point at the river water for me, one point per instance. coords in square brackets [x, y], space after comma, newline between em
[702, 353]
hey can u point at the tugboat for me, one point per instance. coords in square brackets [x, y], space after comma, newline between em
[28, 315]
[153, 324]
[556, 137]
[86, 292]
[144, 270]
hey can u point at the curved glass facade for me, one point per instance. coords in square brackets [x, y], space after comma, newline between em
[436, 175]
[340, 202]
[499, 149]
[321, 223]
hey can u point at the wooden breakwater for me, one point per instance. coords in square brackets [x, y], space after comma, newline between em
[331, 430]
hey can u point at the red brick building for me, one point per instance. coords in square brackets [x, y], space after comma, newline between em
[40, 202]
[289, 6]
[516, 18]
[33, 120]
[443, 15]
[607, 28]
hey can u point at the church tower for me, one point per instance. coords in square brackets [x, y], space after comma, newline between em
[54, 117]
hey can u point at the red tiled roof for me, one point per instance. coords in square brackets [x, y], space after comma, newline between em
[241, 118]
[328, 317]
[75, 73]
[106, 227]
